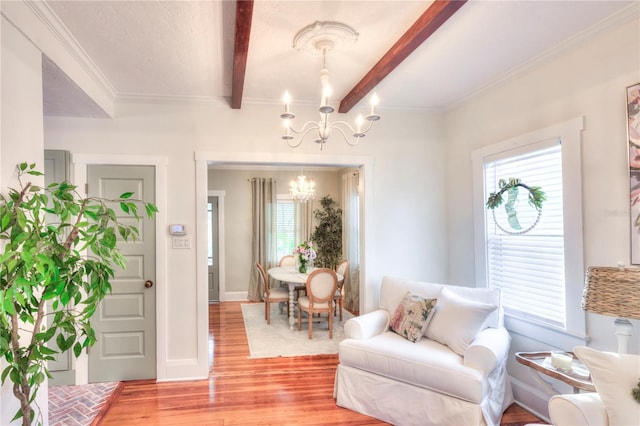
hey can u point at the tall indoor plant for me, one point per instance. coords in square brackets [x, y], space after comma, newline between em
[327, 235]
[57, 247]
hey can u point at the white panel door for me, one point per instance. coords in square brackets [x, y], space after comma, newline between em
[125, 322]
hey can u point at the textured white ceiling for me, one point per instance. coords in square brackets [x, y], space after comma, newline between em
[184, 49]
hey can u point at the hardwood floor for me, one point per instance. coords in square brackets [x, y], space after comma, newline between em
[243, 391]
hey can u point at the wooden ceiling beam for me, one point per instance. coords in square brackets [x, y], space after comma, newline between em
[432, 19]
[244, 15]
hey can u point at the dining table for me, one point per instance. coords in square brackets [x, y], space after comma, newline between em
[292, 277]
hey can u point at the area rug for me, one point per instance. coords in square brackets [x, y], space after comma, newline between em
[276, 340]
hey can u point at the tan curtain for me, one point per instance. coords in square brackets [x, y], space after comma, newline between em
[303, 221]
[351, 238]
[263, 245]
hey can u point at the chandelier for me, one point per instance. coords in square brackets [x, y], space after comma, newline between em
[322, 37]
[302, 190]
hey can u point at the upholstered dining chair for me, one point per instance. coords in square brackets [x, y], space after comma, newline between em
[338, 298]
[289, 260]
[271, 295]
[321, 288]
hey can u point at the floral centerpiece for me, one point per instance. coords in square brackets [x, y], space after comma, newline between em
[305, 254]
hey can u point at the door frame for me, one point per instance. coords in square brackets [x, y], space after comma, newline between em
[79, 164]
[204, 158]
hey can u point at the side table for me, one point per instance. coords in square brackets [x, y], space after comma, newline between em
[578, 377]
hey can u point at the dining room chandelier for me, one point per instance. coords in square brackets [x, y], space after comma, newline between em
[301, 189]
[322, 37]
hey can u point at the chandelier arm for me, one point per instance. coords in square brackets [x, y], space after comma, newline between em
[335, 124]
[369, 126]
[344, 136]
[304, 135]
[303, 129]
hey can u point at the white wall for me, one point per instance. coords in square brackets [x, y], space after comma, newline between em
[407, 151]
[21, 139]
[587, 80]
[237, 213]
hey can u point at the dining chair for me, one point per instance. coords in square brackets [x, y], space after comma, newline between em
[338, 298]
[289, 260]
[271, 295]
[321, 288]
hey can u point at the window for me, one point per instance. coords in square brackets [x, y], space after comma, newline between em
[540, 272]
[528, 266]
[285, 226]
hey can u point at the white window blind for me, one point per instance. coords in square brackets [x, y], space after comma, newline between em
[285, 227]
[529, 266]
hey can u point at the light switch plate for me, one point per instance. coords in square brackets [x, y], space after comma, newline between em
[181, 242]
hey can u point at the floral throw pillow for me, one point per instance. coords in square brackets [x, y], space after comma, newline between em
[412, 316]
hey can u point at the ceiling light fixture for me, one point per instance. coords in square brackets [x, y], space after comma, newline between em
[301, 189]
[322, 37]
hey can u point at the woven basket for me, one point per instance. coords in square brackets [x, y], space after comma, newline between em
[612, 291]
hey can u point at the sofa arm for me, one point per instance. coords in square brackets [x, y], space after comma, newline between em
[488, 350]
[367, 325]
[577, 409]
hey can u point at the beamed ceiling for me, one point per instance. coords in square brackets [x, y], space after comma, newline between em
[414, 54]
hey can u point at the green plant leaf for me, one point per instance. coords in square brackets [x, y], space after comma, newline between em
[47, 351]
[126, 195]
[77, 349]
[7, 303]
[6, 218]
[5, 373]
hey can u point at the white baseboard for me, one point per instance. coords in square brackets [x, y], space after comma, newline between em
[234, 296]
[184, 369]
[531, 399]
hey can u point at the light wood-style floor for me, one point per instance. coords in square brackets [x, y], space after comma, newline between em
[243, 391]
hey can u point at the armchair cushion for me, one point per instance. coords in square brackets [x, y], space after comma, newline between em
[425, 364]
[412, 316]
[457, 320]
[614, 376]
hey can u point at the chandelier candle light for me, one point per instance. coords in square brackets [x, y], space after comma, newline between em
[301, 189]
[322, 37]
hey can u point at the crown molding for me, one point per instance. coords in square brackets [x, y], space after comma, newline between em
[61, 33]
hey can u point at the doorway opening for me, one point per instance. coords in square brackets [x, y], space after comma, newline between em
[204, 160]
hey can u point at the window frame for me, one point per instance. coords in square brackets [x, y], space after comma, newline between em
[569, 132]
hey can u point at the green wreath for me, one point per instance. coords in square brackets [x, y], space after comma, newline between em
[536, 198]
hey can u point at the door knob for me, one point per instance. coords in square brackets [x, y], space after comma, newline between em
[148, 283]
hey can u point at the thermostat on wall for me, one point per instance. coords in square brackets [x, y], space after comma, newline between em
[177, 229]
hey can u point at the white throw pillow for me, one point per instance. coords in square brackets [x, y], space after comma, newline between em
[456, 320]
[614, 376]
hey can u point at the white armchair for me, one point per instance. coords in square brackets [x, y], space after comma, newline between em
[614, 376]
[454, 375]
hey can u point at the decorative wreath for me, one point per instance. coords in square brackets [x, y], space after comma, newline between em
[536, 198]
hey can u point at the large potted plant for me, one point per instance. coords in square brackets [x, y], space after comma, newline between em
[327, 235]
[58, 247]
